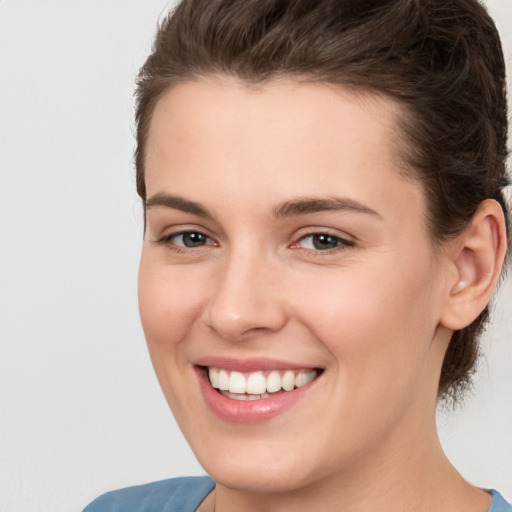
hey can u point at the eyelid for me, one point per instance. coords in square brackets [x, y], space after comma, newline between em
[344, 240]
[167, 237]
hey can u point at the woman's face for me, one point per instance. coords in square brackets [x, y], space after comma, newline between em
[284, 247]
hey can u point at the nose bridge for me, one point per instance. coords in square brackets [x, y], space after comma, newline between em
[245, 298]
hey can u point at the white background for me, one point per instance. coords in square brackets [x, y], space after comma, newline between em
[81, 412]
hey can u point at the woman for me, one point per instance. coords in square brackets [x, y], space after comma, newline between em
[324, 228]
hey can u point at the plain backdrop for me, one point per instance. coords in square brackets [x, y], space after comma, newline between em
[81, 411]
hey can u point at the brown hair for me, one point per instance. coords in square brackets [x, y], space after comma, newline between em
[440, 59]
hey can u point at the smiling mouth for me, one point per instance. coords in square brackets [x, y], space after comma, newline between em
[258, 385]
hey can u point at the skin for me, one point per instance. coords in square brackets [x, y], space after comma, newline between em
[374, 311]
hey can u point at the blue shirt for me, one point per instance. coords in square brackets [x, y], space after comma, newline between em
[185, 495]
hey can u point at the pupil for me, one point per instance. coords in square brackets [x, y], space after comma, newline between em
[324, 242]
[193, 239]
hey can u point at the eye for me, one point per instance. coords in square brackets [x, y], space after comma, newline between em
[322, 242]
[188, 239]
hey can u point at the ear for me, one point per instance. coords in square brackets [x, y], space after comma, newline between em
[477, 257]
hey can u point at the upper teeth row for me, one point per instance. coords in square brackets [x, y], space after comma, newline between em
[256, 383]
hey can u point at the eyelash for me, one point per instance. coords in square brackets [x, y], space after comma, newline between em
[168, 240]
[340, 242]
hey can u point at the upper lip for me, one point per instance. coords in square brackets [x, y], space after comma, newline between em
[250, 365]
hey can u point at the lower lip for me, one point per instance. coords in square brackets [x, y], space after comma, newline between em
[248, 411]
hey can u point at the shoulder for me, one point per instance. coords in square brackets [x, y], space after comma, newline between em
[173, 495]
[498, 503]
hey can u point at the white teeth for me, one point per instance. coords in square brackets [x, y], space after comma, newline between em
[301, 379]
[243, 397]
[273, 382]
[214, 378]
[237, 383]
[223, 380]
[255, 385]
[288, 380]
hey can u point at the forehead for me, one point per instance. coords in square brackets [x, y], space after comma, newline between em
[282, 136]
[284, 113]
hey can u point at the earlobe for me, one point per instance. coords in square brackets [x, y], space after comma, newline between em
[477, 256]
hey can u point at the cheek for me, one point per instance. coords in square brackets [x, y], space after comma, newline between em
[168, 303]
[377, 323]
[169, 306]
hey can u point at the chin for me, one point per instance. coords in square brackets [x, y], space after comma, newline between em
[261, 465]
[259, 478]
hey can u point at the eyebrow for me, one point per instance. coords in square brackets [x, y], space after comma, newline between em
[291, 208]
[302, 206]
[177, 203]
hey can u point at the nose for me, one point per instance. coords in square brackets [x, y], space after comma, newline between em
[245, 299]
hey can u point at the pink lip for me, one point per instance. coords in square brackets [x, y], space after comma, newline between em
[249, 365]
[250, 411]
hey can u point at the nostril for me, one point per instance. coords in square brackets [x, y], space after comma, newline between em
[242, 326]
[243, 301]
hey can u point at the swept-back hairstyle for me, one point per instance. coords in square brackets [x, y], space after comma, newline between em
[441, 60]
